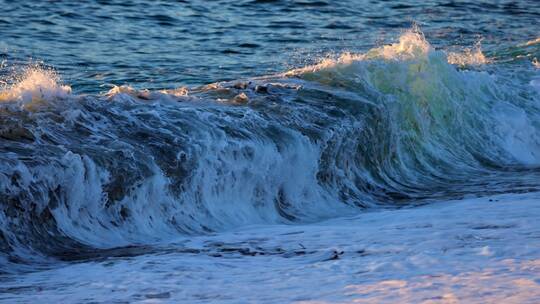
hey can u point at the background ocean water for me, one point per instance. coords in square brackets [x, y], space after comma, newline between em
[269, 151]
[166, 44]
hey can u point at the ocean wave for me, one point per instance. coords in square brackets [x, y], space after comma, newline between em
[396, 125]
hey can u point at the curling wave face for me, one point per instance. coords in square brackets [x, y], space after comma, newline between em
[394, 126]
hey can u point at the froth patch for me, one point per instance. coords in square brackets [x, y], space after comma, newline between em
[468, 57]
[33, 86]
[126, 93]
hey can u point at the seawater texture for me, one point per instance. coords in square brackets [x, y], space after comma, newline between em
[107, 160]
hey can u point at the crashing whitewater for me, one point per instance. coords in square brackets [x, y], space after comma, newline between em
[398, 126]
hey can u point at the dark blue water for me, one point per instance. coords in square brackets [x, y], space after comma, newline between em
[166, 44]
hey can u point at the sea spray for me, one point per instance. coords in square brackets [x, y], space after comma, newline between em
[32, 85]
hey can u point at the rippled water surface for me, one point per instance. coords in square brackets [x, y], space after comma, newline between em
[165, 44]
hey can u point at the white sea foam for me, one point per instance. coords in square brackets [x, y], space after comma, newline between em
[469, 251]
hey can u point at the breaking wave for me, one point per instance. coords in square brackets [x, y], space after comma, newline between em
[400, 124]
